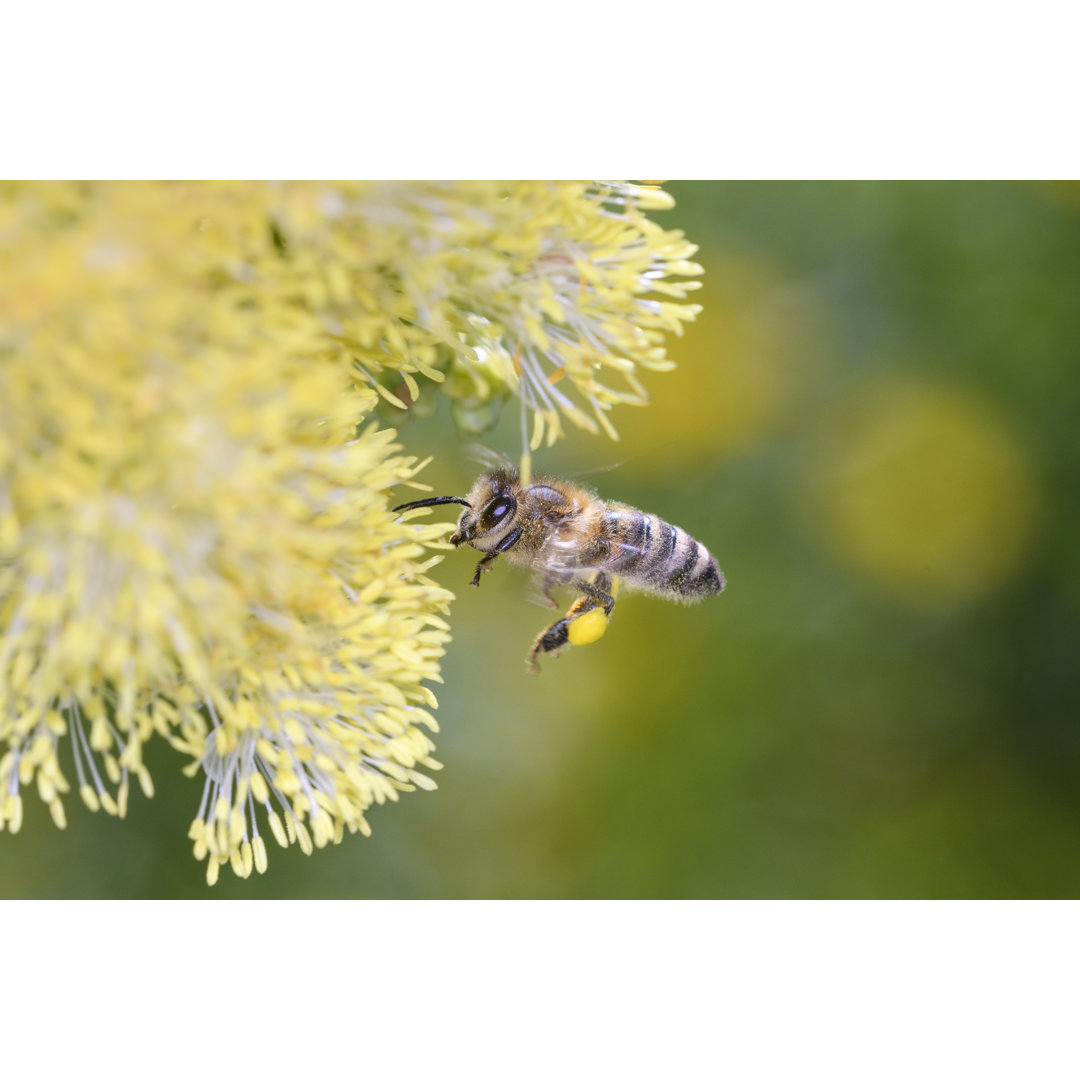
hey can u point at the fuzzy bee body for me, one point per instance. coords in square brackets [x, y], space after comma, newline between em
[570, 537]
[659, 557]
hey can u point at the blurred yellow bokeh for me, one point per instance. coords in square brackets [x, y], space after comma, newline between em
[924, 488]
[738, 367]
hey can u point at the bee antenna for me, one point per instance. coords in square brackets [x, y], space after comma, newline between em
[437, 501]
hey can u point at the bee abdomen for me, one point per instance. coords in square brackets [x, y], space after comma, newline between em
[663, 557]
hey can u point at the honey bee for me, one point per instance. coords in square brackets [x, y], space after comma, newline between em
[570, 537]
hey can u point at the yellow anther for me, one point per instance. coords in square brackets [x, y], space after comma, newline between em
[236, 825]
[145, 782]
[13, 812]
[304, 837]
[322, 830]
[112, 769]
[277, 829]
[248, 859]
[258, 850]
[258, 788]
[45, 788]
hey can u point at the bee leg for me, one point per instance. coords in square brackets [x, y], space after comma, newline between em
[549, 581]
[558, 633]
[600, 590]
[482, 565]
[505, 544]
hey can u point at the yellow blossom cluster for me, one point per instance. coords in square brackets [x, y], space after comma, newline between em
[557, 293]
[195, 540]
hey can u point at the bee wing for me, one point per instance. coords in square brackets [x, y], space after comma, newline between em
[557, 557]
[561, 555]
[489, 458]
[599, 470]
[619, 548]
[539, 586]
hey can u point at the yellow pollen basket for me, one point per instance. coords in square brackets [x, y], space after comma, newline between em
[587, 628]
[591, 626]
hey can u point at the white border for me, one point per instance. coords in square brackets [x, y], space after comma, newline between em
[765, 90]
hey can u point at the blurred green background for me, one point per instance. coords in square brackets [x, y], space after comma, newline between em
[873, 427]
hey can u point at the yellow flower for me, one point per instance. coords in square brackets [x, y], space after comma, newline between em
[190, 555]
[195, 544]
[195, 541]
[557, 292]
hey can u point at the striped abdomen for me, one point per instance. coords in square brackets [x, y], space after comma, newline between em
[647, 550]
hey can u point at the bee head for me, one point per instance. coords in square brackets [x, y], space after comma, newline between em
[492, 507]
[489, 509]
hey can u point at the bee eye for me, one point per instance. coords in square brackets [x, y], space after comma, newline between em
[497, 510]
